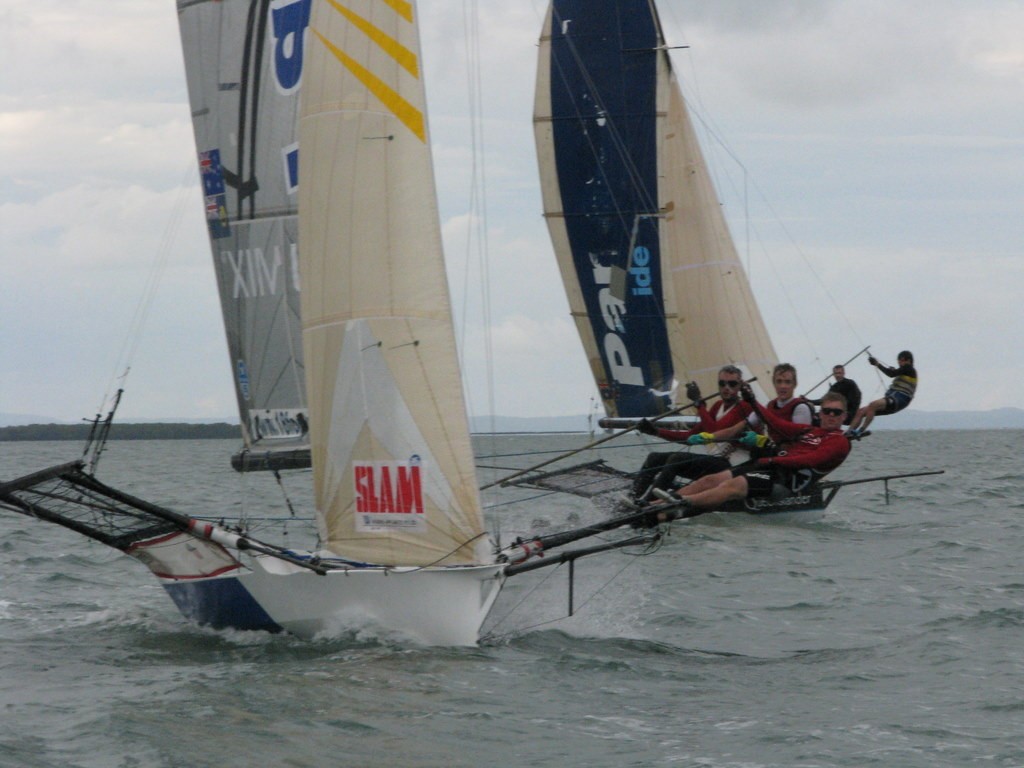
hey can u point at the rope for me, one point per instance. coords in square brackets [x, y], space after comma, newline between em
[133, 336]
[492, 636]
[714, 137]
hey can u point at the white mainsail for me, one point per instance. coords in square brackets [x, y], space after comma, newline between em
[392, 461]
[652, 276]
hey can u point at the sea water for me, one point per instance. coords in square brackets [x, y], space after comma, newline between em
[880, 634]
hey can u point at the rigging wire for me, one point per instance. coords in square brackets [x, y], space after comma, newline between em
[493, 636]
[133, 336]
[715, 138]
[96, 442]
[590, 447]
[477, 245]
[479, 188]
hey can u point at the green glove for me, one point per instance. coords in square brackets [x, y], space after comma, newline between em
[701, 439]
[749, 439]
[753, 440]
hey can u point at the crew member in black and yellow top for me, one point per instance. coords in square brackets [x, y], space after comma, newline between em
[896, 398]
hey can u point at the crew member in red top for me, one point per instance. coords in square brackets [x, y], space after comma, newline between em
[661, 468]
[805, 454]
[786, 405]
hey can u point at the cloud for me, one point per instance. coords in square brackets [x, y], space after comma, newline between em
[886, 137]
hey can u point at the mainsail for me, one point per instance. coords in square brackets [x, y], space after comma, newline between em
[243, 61]
[653, 278]
[392, 461]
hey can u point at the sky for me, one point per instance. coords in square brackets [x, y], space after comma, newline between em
[869, 156]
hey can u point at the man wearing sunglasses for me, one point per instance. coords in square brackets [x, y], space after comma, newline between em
[786, 405]
[806, 454]
[661, 468]
[847, 388]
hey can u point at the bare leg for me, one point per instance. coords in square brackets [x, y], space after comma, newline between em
[712, 497]
[867, 414]
[732, 489]
[870, 415]
[705, 483]
[858, 418]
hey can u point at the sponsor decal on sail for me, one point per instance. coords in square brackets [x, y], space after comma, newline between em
[613, 343]
[289, 22]
[278, 423]
[243, 379]
[641, 272]
[389, 495]
[256, 272]
[212, 177]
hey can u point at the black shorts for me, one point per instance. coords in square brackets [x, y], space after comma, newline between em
[772, 482]
[895, 402]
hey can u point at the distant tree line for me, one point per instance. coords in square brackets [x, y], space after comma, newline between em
[80, 432]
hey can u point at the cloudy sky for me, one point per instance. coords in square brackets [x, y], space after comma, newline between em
[870, 156]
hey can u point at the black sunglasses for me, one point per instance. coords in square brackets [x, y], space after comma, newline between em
[833, 411]
[724, 383]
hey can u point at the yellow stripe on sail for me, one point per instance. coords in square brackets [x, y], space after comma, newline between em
[405, 58]
[411, 117]
[402, 8]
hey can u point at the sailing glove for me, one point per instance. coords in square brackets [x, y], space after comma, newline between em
[646, 427]
[753, 440]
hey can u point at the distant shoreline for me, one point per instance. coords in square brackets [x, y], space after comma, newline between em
[174, 431]
[140, 431]
[1000, 418]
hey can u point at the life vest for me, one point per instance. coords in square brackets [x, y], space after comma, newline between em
[785, 412]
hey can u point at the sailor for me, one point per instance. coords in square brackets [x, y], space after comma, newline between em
[896, 398]
[847, 388]
[786, 406]
[661, 468]
[805, 454]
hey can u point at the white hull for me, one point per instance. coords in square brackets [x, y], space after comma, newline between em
[433, 606]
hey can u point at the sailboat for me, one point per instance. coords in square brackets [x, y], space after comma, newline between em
[651, 272]
[347, 232]
[374, 391]
[652, 276]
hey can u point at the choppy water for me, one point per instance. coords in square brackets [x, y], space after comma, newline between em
[879, 635]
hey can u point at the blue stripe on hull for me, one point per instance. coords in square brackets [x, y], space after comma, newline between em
[603, 99]
[221, 603]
